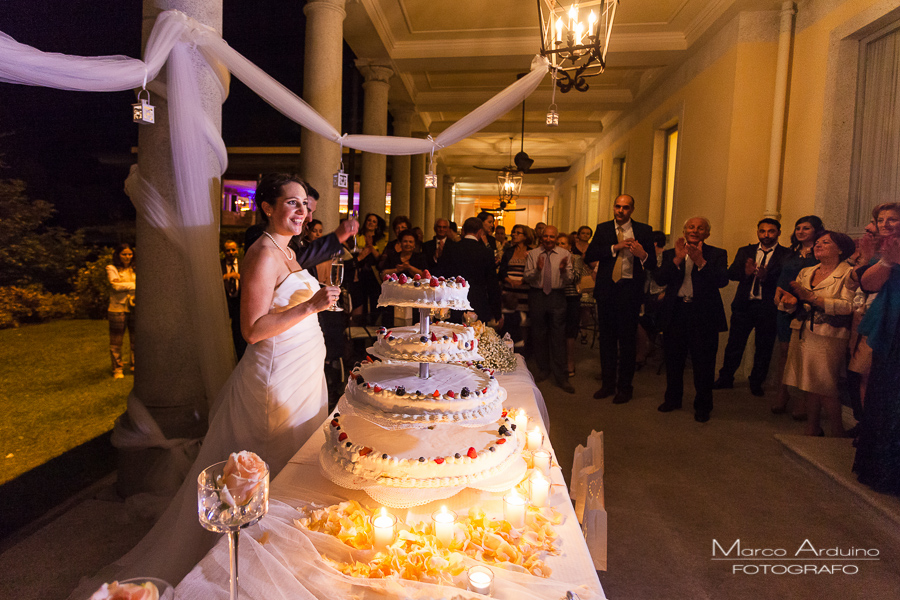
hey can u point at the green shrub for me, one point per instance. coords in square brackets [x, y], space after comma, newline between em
[32, 304]
[91, 286]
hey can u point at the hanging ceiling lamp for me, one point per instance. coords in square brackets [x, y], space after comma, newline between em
[509, 180]
[575, 39]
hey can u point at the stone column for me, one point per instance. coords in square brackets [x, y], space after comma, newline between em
[446, 183]
[776, 145]
[375, 108]
[322, 70]
[168, 380]
[417, 188]
[400, 164]
[440, 210]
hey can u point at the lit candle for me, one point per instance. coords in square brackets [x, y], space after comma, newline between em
[579, 31]
[514, 509]
[443, 521]
[534, 439]
[542, 462]
[592, 18]
[559, 28]
[383, 525]
[521, 420]
[480, 580]
[573, 16]
[540, 489]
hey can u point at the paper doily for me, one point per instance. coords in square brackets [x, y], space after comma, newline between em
[393, 421]
[395, 497]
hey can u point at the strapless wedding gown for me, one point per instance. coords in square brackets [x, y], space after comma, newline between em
[274, 400]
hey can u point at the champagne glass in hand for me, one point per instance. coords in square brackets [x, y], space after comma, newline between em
[354, 247]
[337, 278]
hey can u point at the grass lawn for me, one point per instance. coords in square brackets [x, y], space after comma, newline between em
[56, 391]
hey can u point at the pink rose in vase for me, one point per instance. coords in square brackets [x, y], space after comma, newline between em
[243, 475]
[126, 591]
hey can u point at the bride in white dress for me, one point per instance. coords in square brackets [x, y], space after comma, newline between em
[276, 396]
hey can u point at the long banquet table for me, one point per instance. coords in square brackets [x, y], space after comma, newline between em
[279, 560]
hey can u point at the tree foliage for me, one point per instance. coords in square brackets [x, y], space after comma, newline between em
[32, 252]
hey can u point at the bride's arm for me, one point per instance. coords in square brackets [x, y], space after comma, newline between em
[260, 276]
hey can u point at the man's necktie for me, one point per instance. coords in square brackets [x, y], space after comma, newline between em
[232, 282]
[547, 274]
[617, 268]
[440, 249]
[756, 283]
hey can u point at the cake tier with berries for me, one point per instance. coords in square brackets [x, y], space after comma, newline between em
[446, 342]
[425, 291]
[442, 455]
[394, 395]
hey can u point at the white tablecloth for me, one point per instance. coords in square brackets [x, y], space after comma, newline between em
[286, 564]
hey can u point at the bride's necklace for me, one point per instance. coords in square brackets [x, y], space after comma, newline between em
[283, 251]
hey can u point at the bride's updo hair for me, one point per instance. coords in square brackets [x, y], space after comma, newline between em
[269, 188]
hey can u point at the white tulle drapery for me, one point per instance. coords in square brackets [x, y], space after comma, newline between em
[193, 228]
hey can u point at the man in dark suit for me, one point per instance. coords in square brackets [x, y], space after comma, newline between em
[231, 275]
[435, 248]
[470, 259]
[756, 267]
[692, 314]
[619, 251]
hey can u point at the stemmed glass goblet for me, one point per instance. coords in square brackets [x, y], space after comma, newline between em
[219, 512]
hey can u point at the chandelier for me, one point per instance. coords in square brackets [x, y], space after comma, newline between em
[575, 39]
[509, 181]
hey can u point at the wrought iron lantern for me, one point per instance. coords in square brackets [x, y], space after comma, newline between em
[575, 39]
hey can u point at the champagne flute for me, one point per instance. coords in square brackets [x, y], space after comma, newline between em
[336, 278]
[354, 249]
[218, 511]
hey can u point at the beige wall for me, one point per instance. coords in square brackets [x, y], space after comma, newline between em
[809, 117]
[704, 109]
[722, 98]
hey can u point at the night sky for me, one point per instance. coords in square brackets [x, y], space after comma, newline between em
[73, 149]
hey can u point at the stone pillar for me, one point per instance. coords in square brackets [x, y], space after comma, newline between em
[440, 210]
[776, 145]
[446, 183]
[417, 189]
[375, 109]
[400, 164]
[322, 71]
[168, 379]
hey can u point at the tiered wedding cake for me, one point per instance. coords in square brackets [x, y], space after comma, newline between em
[427, 417]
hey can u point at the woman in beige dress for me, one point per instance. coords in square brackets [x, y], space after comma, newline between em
[821, 301]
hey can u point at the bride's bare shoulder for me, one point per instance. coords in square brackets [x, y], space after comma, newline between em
[261, 254]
